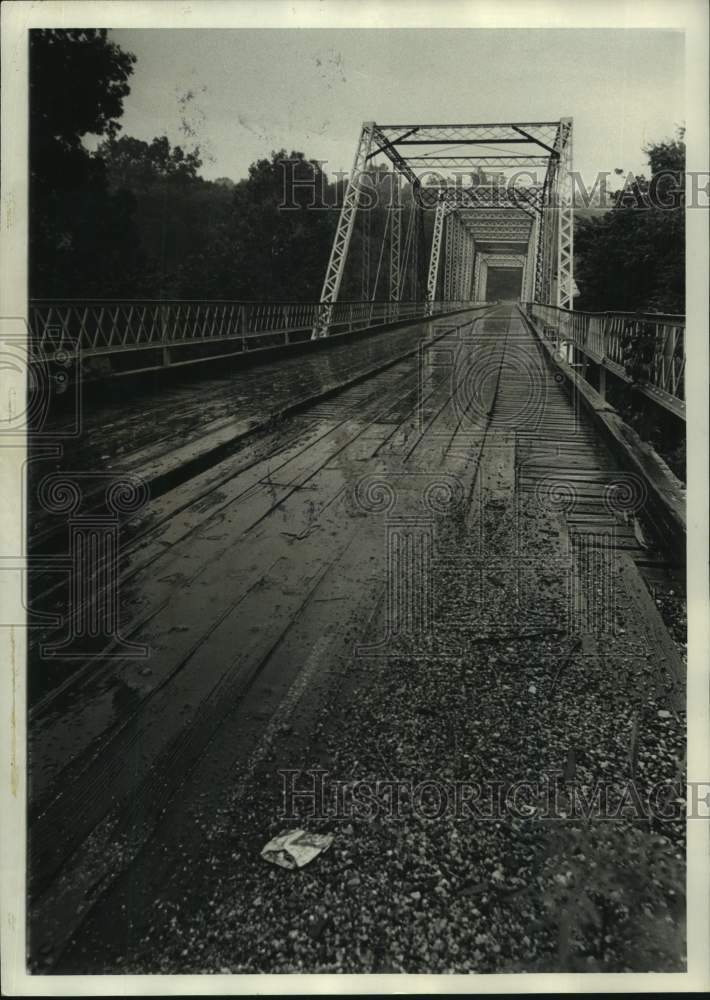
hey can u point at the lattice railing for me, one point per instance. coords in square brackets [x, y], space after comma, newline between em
[601, 338]
[102, 327]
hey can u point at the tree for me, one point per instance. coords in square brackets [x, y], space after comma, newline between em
[180, 216]
[633, 257]
[134, 165]
[77, 84]
[668, 155]
[277, 238]
[82, 239]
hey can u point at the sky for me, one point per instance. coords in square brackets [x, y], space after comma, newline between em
[241, 93]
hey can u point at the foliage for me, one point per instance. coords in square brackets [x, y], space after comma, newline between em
[177, 212]
[137, 219]
[633, 257]
[136, 165]
[280, 229]
[82, 237]
[668, 155]
[77, 84]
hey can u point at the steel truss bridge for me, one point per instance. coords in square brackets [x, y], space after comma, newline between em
[519, 217]
[225, 577]
[462, 201]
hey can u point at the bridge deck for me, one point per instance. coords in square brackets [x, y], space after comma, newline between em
[169, 422]
[380, 586]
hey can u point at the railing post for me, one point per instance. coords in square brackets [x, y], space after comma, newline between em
[664, 378]
[164, 337]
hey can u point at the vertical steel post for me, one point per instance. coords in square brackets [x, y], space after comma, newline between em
[395, 240]
[460, 261]
[414, 290]
[165, 335]
[468, 273]
[433, 276]
[546, 232]
[531, 260]
[565, 218]
[343, 234]
[366, 228]
[483, 277]
[478, 260]
[449, 255]
[421, 256]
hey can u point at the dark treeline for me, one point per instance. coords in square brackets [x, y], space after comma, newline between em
[136, 219]
[633, 257]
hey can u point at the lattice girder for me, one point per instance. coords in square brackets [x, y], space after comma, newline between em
[479, 212]
[395, 241]
[343, 234]
[432, 279]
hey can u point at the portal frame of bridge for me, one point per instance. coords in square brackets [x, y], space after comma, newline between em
[470, 220]
[502, 260]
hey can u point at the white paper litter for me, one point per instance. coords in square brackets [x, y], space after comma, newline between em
[296, 848]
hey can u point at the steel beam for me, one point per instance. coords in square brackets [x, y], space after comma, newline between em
[482, 280]
[395, 241]
[565, 221]
[449, 255]
[468, 274]
[433, 276]
[537, 216]
[343, 234]
[399, 162]
[388, 143]
[531, 263]
[366, 232]
[537, 142]
[504, 259]
[456, 142]
[516, 160]
[414, 290]
[455, 292]
[497, 133]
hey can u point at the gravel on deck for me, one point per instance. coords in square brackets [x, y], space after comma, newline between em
[453, 888]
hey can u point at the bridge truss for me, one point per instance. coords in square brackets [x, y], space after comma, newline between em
[482, 195]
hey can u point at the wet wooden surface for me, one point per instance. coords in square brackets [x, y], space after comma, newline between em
[252, 584]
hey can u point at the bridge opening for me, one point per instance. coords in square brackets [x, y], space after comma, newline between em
[505, 284]
[428, 210]
[497, 195]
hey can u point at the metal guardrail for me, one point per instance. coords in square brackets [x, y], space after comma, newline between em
[109, 327]
[601, 337]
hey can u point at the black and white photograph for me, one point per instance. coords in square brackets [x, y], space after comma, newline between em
[354, 586]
